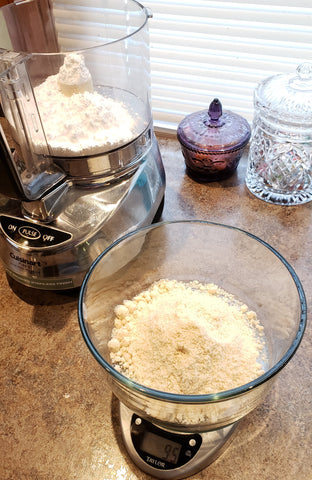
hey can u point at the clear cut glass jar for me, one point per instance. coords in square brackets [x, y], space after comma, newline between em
[280, 157]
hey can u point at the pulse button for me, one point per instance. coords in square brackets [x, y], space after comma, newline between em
[30, 233]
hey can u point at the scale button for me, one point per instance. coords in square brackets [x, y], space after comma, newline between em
[192, 442]
[138, 421]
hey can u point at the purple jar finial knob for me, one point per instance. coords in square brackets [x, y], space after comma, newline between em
[214, 114]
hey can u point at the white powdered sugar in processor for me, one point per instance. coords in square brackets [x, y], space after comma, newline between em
[73, 76]
[81, 119]
[187, 338]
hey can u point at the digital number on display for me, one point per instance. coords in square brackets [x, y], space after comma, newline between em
[161, 447]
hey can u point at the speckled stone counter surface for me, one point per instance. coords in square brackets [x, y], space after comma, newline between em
[58, 418]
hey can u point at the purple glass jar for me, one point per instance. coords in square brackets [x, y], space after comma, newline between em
[212, 142]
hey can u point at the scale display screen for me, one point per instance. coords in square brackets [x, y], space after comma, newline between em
[169, 454]
[161, 447]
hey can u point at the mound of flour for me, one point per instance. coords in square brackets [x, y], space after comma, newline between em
[78, 120]
[73, 76]
[187, 338]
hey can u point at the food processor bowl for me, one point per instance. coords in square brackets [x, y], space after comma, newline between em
[233, 259]
[77, 94]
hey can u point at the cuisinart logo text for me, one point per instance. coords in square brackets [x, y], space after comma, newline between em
[25, 261]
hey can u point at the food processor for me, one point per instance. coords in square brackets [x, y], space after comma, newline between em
[80, 164]
[172, 435]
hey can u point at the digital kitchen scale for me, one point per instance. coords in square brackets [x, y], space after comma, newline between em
[172, 435]
[170, 454]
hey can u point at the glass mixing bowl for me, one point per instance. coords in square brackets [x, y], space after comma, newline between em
[233, 259]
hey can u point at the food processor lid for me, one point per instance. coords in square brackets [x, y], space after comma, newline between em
[214, 130]
[287, 97]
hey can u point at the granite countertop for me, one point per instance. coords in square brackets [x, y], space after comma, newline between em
[58, 416]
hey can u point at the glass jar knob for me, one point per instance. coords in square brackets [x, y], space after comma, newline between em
[305, 71]
[215, 114]
[303, 79]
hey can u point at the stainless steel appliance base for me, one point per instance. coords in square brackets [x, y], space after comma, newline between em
[57, 255]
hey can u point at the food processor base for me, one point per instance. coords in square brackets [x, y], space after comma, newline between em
[57, 255]
[170, 454]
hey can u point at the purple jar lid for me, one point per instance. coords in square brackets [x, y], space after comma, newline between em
[214, 130]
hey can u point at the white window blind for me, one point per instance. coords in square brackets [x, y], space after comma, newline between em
[204, 49]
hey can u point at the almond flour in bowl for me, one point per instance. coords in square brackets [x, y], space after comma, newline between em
[254, 274]
[187, 338]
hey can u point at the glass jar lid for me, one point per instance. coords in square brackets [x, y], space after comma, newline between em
[287, 97]
[214, 130]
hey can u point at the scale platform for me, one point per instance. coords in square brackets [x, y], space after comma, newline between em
[168, 454]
